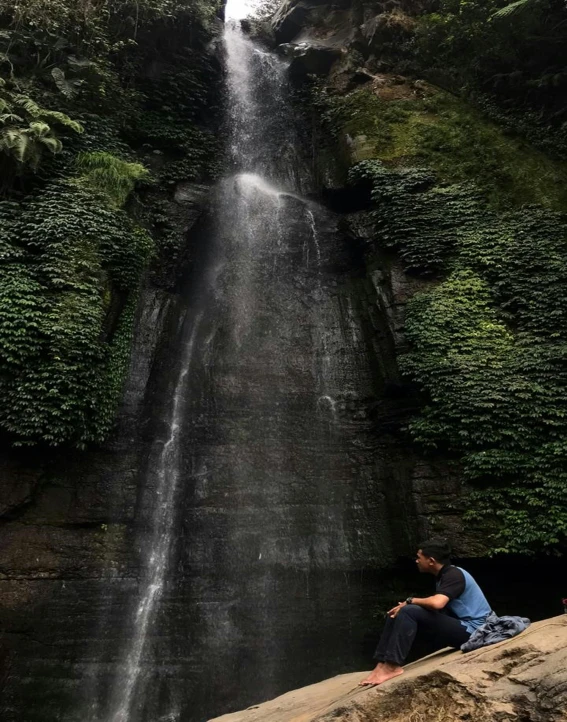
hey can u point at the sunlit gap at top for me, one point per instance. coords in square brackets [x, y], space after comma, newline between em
[238, 9]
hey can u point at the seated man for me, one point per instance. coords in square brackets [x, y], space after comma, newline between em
[457, 608]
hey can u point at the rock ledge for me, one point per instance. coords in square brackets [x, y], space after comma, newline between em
[521, 680]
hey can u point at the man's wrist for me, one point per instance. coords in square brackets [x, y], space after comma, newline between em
[409, 600]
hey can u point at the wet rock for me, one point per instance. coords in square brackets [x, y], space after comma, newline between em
[19, 478]
[291, 18]
[295, 15]
[309, 59]
[192, 194]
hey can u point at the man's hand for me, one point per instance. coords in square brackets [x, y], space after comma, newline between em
[393, 613]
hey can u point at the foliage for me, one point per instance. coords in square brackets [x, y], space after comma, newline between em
[133, 76]
[66, 257]
[110, 175]
[488, 345]
[511, 51]
[26, 130]
[515, 8]
[466, 203]
[441, 132]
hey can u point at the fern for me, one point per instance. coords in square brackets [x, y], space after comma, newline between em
[26, 144]
[29, 105]
[14, 142]
[33, 109]
[10, 118]
[27, 134]
[515, 8]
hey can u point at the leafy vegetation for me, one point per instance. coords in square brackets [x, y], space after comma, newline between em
[70, 267]
[441, 132]
[508, 56]
[26, 132]
[98, 102]
[487, 345]
[463, 193]
[110, 175]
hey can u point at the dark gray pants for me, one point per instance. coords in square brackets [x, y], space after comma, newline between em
[399, 633]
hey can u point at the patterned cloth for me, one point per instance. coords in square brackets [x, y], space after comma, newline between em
[494, 630]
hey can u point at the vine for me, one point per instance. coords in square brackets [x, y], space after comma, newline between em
[488, 346]
[101, 107]
[66, 256]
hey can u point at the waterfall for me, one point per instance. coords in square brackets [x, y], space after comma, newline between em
[166, 472]
[252, 519]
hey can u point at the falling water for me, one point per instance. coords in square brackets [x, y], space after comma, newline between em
[252, 492]
[166, 472]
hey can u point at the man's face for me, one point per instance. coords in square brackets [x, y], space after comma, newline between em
[424, 564]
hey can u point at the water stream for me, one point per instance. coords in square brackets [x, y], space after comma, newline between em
[252, 516]
[167, 473]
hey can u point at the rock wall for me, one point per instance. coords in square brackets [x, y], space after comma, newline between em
[425, 177]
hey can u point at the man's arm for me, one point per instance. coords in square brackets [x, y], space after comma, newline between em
[451, 585]
[435, 602]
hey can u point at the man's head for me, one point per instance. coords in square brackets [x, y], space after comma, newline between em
[433, 554]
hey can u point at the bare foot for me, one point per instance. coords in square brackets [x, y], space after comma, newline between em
[381, 673]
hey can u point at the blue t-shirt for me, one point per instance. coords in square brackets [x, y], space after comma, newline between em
[466, 601]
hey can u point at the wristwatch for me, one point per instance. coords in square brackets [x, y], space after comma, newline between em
[409, 600]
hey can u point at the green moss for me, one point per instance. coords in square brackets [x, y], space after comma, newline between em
[443, 133]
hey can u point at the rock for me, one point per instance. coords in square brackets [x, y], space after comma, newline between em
[294, 15]
[193, 194]
[386, 27]
[19, 477]
[522, 679]
[291, 17]
[309, 59]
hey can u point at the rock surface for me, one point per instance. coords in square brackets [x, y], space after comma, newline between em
[309, 59]
[521, 680]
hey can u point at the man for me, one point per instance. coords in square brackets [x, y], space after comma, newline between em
[457, 608]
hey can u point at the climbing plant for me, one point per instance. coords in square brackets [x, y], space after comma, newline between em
[488, 345]
[71, 265]
[101, 106]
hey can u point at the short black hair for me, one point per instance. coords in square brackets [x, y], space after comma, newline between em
[438, 548]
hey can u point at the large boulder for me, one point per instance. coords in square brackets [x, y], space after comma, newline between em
[521, 680]
[291, 17]
[309, 59]
[295, 16]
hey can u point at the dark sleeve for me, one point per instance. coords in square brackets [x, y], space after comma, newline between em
[452, 583]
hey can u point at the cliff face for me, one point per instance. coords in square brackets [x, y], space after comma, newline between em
[452, 212]
[142, 79]
[350, 117]
[299, 490]
[298, 478]
[328, 498]
[70, 559]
